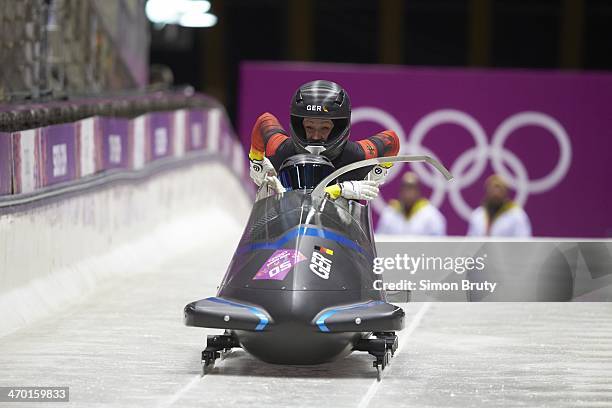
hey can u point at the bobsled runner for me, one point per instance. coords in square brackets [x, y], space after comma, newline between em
[299, 288]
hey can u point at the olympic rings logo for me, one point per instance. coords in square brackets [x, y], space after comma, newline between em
[479, 155]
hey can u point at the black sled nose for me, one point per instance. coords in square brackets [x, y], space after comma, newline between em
[221, 313]
[371, 316]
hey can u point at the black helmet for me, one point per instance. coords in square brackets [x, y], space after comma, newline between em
[321, 100]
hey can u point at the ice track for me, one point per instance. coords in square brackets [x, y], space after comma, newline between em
[126, 346]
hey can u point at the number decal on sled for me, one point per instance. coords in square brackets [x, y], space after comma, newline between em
[285, 266]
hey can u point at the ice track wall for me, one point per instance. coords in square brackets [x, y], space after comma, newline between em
[56, 251]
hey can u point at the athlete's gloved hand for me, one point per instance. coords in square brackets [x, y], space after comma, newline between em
[260, 170]
[354, 190]
[359, 190]
[379, 173]
[274, 183]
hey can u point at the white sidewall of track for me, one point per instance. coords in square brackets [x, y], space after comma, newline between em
[57, 254]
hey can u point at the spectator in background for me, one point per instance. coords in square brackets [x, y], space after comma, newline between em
[498, 216]
[160, 77]
[411, 214]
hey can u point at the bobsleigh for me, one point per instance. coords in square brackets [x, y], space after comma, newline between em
[299, 288]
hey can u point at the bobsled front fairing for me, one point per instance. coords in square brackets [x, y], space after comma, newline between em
[300, 287]
[219, 313]
[304, 276]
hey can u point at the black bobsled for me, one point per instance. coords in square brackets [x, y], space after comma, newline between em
[299, 289]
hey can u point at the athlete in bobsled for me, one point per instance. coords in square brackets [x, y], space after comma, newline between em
[300, 286]
[320, 124]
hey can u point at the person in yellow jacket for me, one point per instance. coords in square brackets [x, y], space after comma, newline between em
[411, 214]
[498, 216]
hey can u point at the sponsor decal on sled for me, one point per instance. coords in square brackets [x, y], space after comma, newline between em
[279, 264]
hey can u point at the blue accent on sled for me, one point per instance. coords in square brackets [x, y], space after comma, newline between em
[321, 320]
[303, 231]
[263, 319]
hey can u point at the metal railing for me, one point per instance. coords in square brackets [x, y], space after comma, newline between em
[16, 117]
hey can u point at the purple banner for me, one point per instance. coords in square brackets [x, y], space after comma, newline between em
[115, 147]
[226, 137]
[6, 160]
[58, 154]
[34, 158]
[26, 161]
[161, 133]
[89, 151]
[196, 130]
[546, 133]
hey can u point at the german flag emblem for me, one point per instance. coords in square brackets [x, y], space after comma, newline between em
[324, 250]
